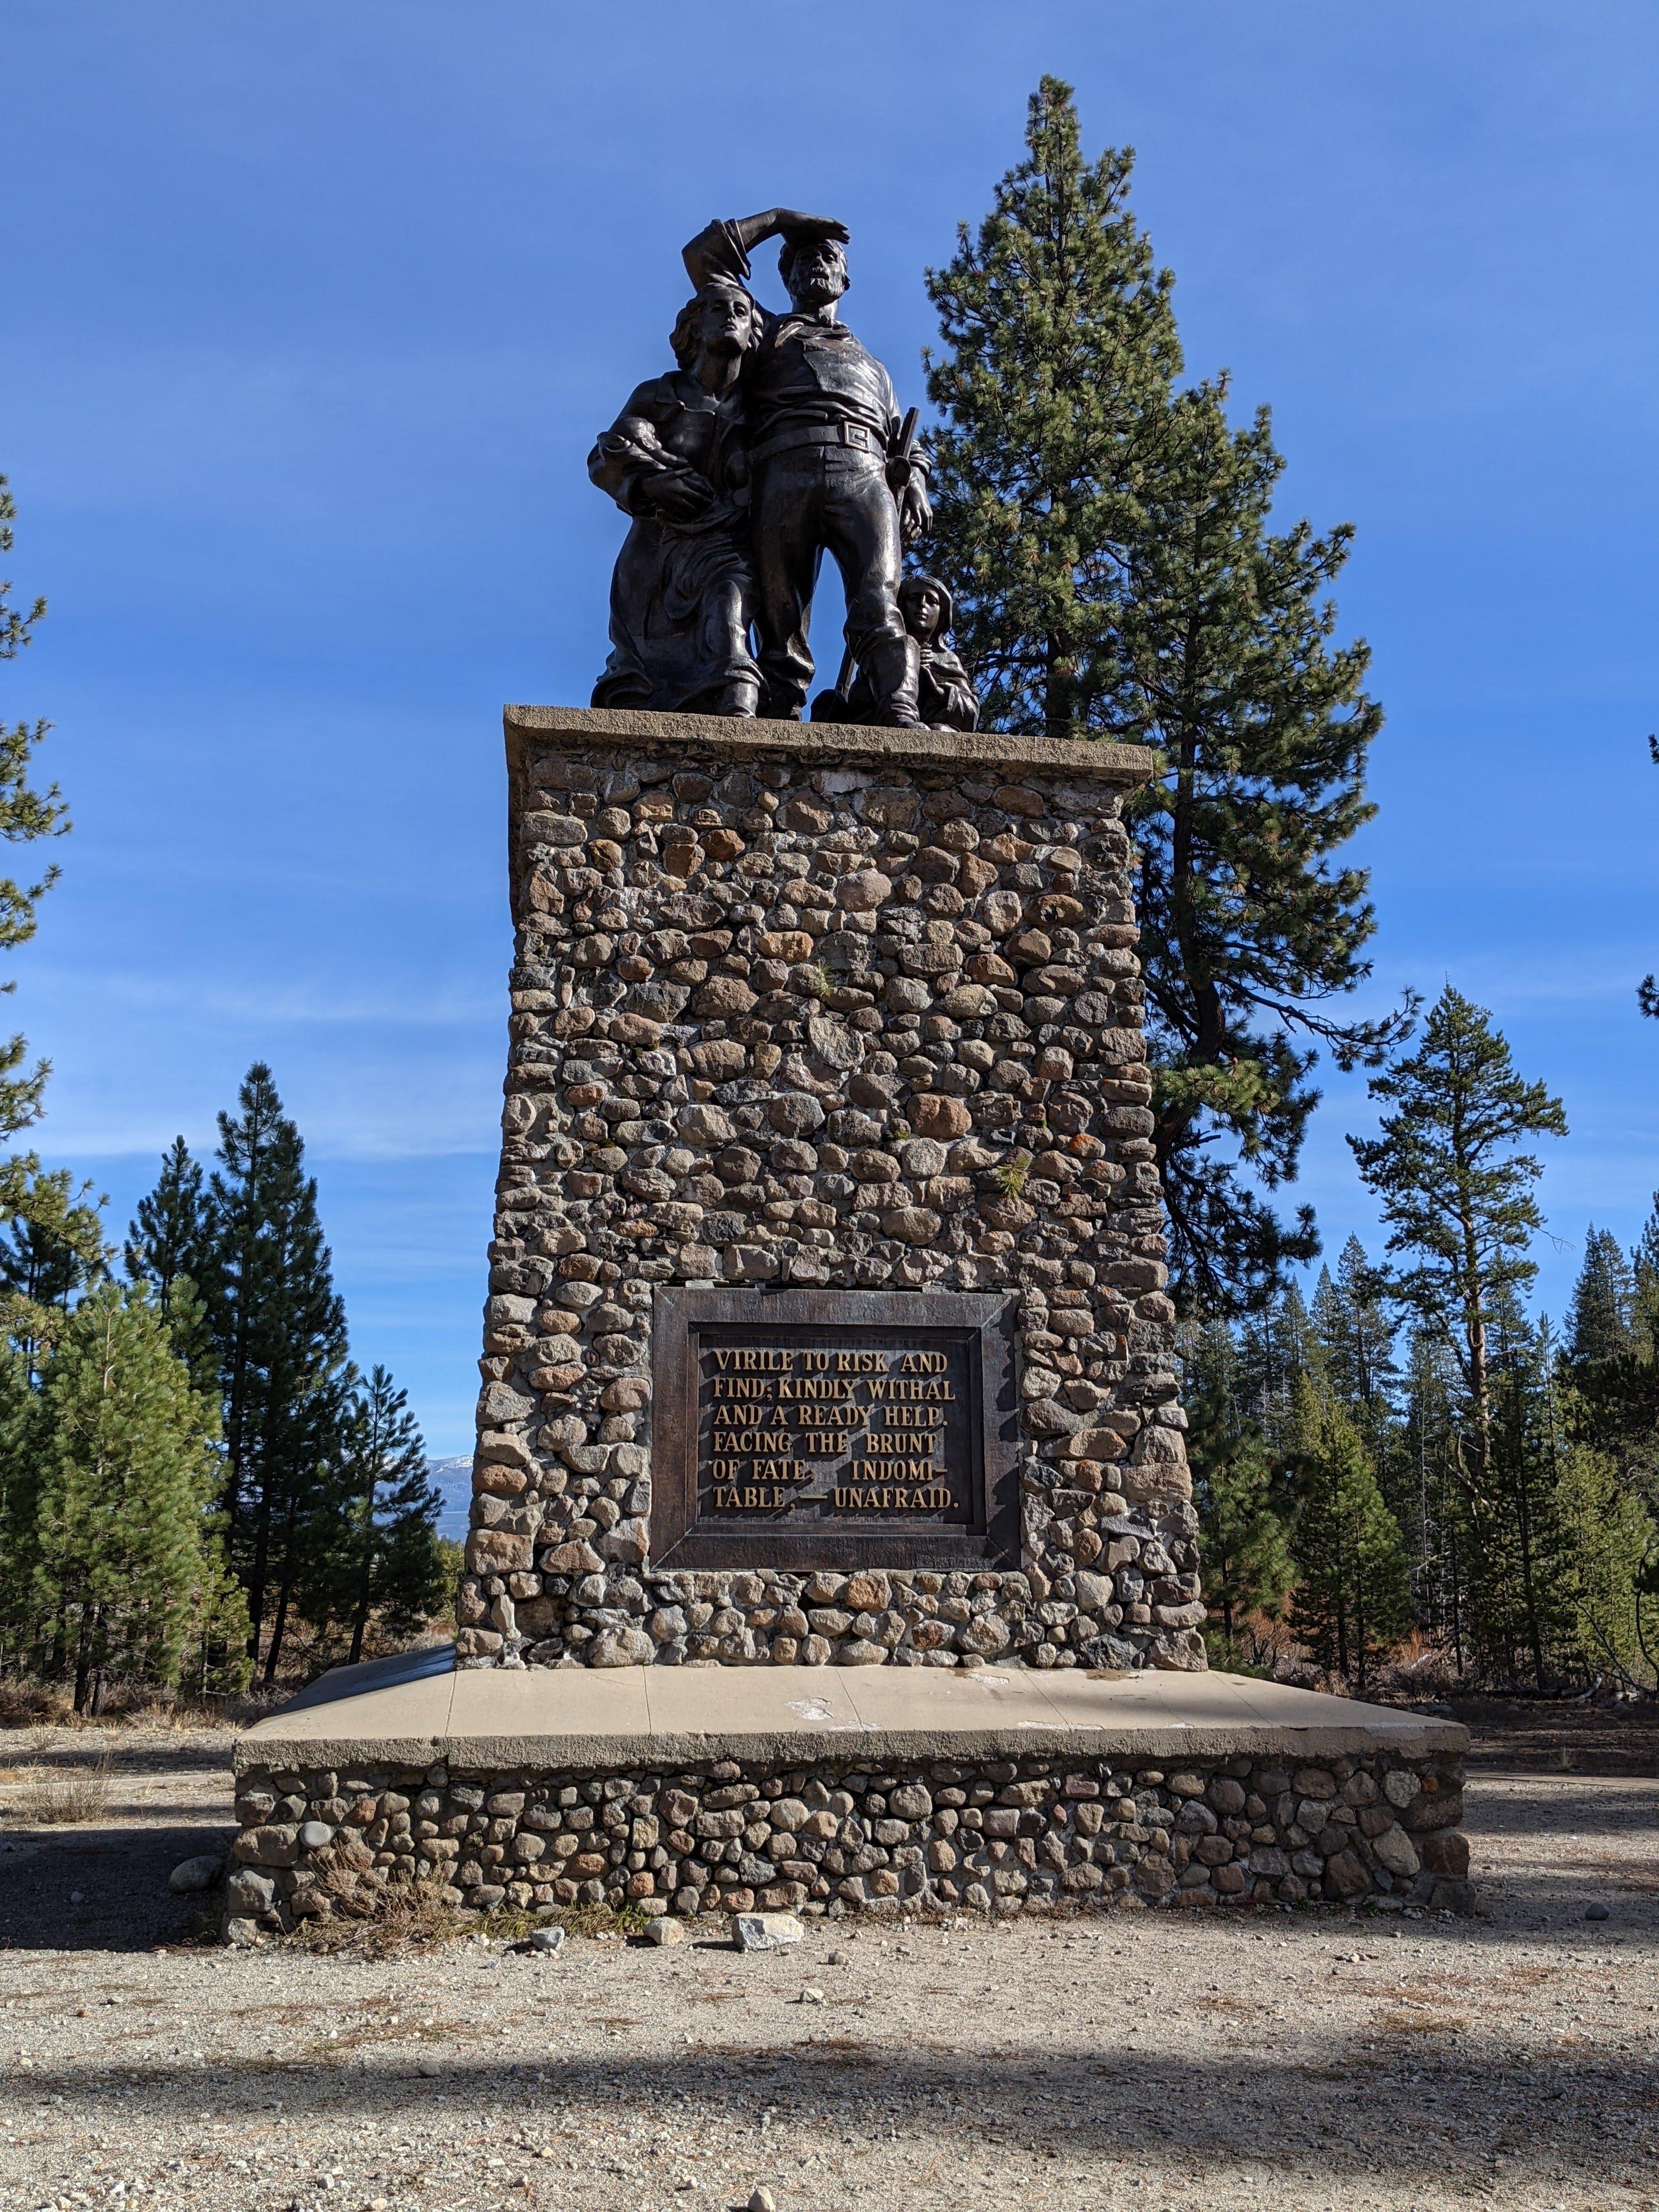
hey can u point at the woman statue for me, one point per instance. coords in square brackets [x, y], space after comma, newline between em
[682, 597]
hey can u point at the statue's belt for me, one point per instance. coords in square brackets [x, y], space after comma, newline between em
[796, 435]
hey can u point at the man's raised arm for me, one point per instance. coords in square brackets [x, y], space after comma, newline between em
[723, 248]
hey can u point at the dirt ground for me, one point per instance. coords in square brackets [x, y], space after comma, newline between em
[1136, 2059]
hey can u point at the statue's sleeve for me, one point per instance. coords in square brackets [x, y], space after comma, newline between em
[624, 458]
[715, 252]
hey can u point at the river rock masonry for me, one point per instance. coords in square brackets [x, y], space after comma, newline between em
[798, 1009]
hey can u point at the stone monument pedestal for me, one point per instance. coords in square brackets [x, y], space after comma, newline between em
[832, 1541]
[836, 1790]
[828, 1322]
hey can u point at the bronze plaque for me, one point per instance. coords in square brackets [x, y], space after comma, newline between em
[841, 1429]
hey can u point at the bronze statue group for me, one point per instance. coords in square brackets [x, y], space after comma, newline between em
[776, 440]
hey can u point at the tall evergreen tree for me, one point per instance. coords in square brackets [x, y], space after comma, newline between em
[1116, 576]
[279, 1331]
[168, 1248]
[380, 1556]
[1427, 1499]
[1247, 1567]
[1276, 1348]
[124, 1555]
[1599, 1326]
[1519, 1561]
[1613, 1404]
[1456, 1191]
[27, 815]
[1609, 1539]
[1251, 927]
[1647, 990]
[1247, 1564]
[22, 1454]
[1350, 1595]
[166, 1237]
[52, 1248]
[1055, 392]
[1357, 1337]
[52, 1245]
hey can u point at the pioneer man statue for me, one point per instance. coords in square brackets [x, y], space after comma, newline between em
[831, 472]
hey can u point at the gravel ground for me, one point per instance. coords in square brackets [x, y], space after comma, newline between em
[1131, 2059]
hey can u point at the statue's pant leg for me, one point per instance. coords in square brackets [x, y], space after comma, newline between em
[860, 525]
[861, 529]
[786, 543]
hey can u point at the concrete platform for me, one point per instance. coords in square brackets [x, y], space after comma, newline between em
[420, 1710]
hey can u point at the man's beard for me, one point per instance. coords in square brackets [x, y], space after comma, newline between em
[819, 288]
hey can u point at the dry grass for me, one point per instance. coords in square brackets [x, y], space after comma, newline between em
[1394, 2020]
[383, 1923]
[43, 1707]
[64, 1800]
[847, 2050]
[590, 1920]
[22, 1699]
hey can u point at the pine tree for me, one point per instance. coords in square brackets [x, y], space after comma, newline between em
[1276, 1348]
[1647, 990]
[1116, 576]
[1520, 1561]
[1247, 1567]
[1610, 1538]
[124, 1549]
[1357, 1337]
[26, 815]
[22, 1451]
[166, 1237]
[381, 1557]
[1617, 1389]
[1437, 1518]
[1062, 354]
[1456, 1194]
[1350, 1601]
[279, 1331]
[168, 1247]
[1602, 1300]
[52, 1248]
[1250, 927]
[1611, 1413]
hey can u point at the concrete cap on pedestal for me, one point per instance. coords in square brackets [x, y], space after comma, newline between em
[979, 752]
[635, 1718]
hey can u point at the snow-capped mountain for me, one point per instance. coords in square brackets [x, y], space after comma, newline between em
[453, 1479]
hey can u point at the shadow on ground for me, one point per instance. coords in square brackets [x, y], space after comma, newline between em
[101, 1888]
[129, 1756]
[1362, 2109]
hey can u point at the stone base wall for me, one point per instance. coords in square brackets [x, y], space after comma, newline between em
[838, 1010]
[987, 1836]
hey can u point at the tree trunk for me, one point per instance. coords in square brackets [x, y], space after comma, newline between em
[1529, 1586]
[289, 1575]
[82, 1668]
[258, 1578]
[278, 1628]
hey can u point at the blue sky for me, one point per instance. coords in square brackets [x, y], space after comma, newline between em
[313, 311]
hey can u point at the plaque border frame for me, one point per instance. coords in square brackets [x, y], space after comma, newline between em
[677, 1542]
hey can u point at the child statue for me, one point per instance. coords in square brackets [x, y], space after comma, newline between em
[945, 698]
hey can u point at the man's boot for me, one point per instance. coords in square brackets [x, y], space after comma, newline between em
[893, 670]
